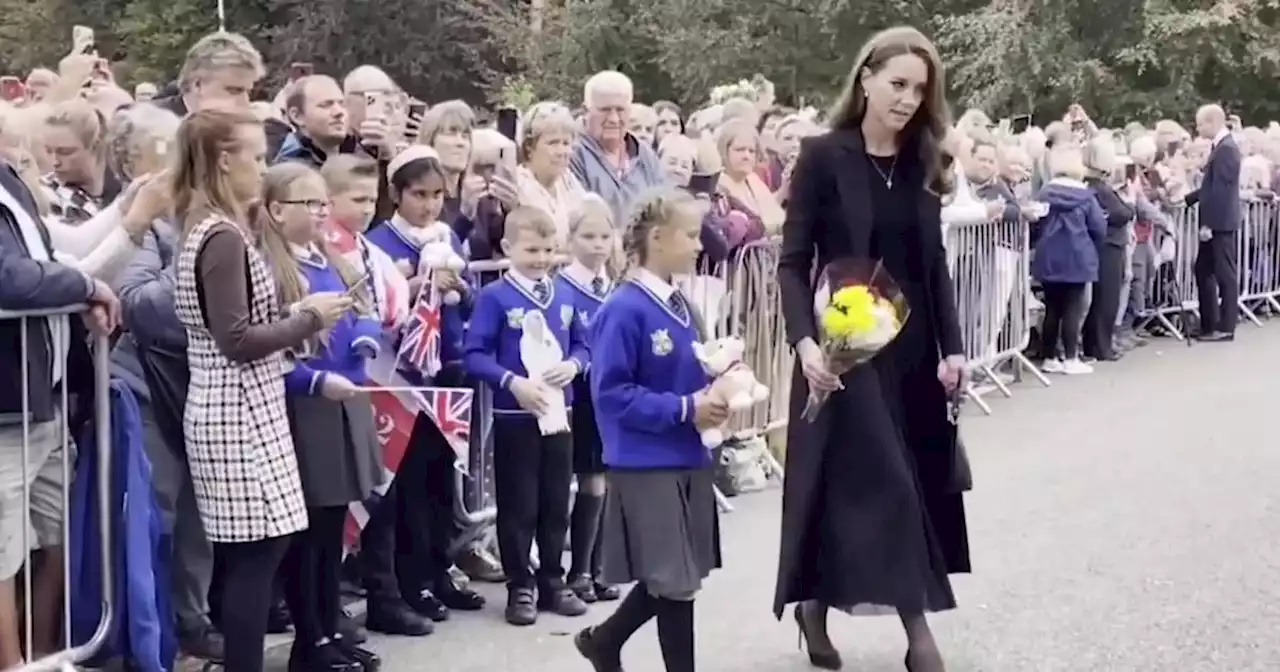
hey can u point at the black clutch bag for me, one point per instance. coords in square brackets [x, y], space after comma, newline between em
[961, 473]
[961, 477]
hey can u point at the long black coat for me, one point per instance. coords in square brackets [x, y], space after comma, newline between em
[829, 216]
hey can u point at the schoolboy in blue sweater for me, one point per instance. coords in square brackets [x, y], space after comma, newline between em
[532, 472]
[650, 395]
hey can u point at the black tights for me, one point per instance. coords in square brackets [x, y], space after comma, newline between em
[310, 561]
[1063, 312]
[311, 571]
[675, 628]
[248, 569]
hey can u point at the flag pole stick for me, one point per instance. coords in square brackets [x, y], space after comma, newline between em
[222, 16]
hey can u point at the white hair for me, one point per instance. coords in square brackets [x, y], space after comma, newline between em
[142, 127]
[1143, 148]
[1100, 156]
[367, 78]
[607, 82]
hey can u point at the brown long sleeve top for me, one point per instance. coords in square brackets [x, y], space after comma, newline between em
[222, 266]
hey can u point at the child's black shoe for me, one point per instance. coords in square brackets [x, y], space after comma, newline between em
[584, 588]
[366, 659]
[561, 600]
[520, 607]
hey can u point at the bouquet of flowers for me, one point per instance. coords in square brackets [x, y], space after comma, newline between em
[860, 310]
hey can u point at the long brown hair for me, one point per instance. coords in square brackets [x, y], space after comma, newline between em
[930, 123]
[197, 184]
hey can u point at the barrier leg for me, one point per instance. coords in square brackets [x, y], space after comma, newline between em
[972, 394]
[1024, 364]
[995, 381]
[722, 502]
[1248, 314]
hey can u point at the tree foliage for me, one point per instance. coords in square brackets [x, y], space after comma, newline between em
[1122, 59]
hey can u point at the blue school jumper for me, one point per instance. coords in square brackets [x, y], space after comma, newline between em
[492, 345]
[453, 319]
[353, 340]
[336, 442]
[587, 446]
[643, 377]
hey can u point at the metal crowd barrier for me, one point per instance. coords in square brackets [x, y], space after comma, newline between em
[990, 266]
[59, 320]
[736, 297]
[1174, 290]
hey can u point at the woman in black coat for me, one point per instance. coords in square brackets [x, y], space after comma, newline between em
[1100, 323]
[873, 517]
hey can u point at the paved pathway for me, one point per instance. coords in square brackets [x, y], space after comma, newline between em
[1113, 530]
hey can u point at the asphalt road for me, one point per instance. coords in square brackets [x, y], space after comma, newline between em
[1122, 521]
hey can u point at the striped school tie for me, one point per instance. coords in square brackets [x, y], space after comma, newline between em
[597, 286]
[541, 291]
[679, 307]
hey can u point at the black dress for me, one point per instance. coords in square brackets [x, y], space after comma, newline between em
[872, 518]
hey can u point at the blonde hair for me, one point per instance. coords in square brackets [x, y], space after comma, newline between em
[591, 208]
[1100, 156]
[739, 109]
[198, 187]
[218, 51]
[341, 170]
[447, 116]
[541, 119]
[1066, 161]
[83, 120]
[734, 130]
[679, 144]
[131, 131]
[652, 209]
[525, 219]
[277, 186]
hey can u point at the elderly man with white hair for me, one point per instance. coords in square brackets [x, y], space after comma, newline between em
[607, 159]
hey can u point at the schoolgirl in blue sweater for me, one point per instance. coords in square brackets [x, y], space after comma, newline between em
[532, 472]
[417, 188]
[587, 283]
[338, 455]
[422, 499]
[660, 525]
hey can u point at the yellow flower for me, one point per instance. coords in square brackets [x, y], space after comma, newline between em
[852, 314]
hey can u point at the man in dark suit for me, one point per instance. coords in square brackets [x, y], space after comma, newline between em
[1219, 199]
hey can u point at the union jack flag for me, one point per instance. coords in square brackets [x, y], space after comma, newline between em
[420, 347]
[450, 409]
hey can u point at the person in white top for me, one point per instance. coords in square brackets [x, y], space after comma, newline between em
[543, 179]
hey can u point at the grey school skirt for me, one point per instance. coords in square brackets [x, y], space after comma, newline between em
[339, 457]
[661, 528]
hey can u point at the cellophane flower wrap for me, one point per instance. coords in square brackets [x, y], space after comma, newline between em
[860, 309]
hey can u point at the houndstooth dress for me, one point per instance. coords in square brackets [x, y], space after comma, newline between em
[243, 468]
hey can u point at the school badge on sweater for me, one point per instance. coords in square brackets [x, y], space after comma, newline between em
[662, 345]
[539, 351]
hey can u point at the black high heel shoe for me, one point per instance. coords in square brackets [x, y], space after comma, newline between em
[823, 660]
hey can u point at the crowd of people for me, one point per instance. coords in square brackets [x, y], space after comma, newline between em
[237, 249]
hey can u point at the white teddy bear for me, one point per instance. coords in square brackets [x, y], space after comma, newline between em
[732, 380]
[437, 254]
